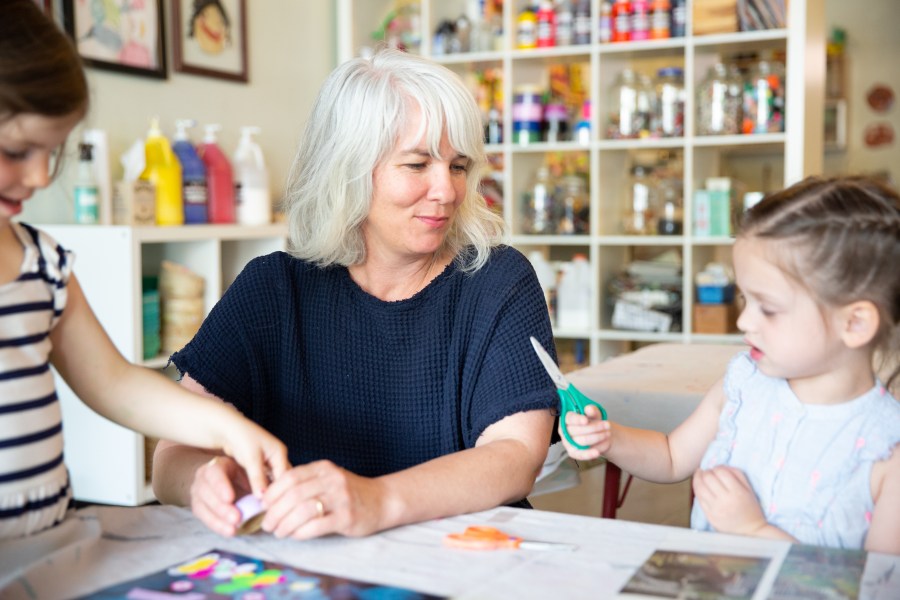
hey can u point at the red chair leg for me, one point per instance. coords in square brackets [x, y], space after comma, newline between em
[611, 480]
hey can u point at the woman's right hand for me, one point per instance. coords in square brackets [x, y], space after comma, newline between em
[589, 430]
[216, 486]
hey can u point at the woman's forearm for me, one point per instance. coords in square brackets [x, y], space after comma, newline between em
[174, 466]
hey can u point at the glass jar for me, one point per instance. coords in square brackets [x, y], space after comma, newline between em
[538, 215]
[719, 100]
[670, 102]
[639, 213]
[670, 220]
[764, 98]
[573, 215]
[624, 121]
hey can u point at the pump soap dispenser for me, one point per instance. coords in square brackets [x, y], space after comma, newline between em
[219, 181]
[164, 171]
[193, 174]
[251, 181]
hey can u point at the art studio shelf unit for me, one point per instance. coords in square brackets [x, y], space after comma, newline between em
[760, 161]
[110, 464]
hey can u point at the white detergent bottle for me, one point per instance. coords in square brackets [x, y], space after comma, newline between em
[251, 181]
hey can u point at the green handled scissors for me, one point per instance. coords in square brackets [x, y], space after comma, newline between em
[570, 399]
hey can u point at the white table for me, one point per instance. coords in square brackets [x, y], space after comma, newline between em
[655, 387]
[102, 546]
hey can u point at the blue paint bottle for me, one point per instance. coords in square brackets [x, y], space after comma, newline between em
[193, 175]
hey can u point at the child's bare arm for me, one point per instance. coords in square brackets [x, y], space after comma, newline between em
[884, 530]
[647, 454]
[146, 401]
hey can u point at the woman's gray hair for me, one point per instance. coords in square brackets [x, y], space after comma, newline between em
[355, 123]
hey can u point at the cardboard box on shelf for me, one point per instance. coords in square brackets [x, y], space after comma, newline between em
[715, 318]
[715, 16]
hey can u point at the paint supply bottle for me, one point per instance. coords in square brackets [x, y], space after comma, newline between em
[87, 193]
[163, 170]
[193, 174]
[219, 178]
[251, 181]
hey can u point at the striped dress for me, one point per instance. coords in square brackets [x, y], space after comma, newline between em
[34, 482]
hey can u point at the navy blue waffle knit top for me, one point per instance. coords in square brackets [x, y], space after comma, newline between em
[375, 386]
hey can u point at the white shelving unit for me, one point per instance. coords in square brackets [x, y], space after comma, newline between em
[787, 157]
[108, 463]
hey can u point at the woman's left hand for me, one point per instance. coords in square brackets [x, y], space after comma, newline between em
[319, 498]
[728, 501]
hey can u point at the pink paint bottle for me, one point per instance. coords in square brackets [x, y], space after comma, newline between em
[219, 178]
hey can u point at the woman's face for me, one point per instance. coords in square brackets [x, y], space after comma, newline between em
[415, 196]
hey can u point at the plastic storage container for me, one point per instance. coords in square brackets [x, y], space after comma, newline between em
[193, 174]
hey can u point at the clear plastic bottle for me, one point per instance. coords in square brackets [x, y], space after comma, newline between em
[719, 99]
[670, 220]
[163, 170]
[574, 215]
[538, 210]
[86, 193]
[219, 178]
[670, 102]
[253, 200]
[193, 174]
[763, 106]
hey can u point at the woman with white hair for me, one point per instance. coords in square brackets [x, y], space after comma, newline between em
[389, 347]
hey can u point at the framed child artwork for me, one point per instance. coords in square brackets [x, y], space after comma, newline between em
[210, 38]
[124, 36]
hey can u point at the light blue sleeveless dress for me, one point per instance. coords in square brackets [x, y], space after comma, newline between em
[808, 464]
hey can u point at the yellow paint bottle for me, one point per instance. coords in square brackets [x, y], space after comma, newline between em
[164, 171]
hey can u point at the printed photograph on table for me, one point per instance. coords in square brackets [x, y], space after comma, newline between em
[696, 576]
[119, 35]
[209, 37]
[219, 574]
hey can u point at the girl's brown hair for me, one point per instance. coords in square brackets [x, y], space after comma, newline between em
[842, 243]
[40, 70]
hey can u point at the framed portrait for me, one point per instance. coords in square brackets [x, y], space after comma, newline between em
[210, 38]
[119, 35]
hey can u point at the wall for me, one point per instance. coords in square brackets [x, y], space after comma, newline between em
[871, 52]
[291, 49]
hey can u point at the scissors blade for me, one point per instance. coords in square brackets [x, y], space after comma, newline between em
[544, 546]
[555, 374]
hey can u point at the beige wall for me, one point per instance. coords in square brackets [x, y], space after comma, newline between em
[291, 50]
[872, 51]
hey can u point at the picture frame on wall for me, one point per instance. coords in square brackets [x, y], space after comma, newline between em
[209, 37]
[128, 38]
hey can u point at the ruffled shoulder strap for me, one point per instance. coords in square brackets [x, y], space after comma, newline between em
[53, 264]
